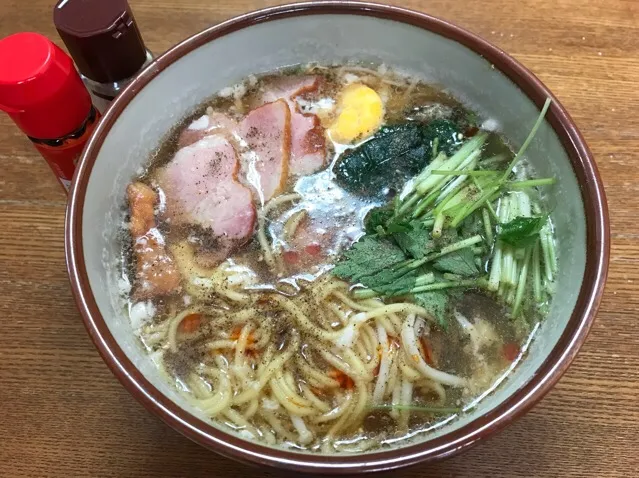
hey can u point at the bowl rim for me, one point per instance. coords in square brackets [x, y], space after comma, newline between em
[572, 338]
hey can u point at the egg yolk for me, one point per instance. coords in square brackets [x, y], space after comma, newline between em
[360, 114]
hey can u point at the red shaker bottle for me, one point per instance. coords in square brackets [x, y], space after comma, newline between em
[42, 92]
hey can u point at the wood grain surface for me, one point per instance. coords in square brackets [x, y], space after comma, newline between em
[62, 413]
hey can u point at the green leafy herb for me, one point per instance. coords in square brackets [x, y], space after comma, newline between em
[367, 257]
[391, 282]
[522, 231]
[415, 241]
[448, 237]
[436, 302]
[461, 262]
[472, 225]
[380, 221]
[376, 263]
[396, 226]
[376, 218]
[453, 193]
[413, 237]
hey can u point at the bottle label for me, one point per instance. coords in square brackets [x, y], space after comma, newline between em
[63, 159]
[63, 155]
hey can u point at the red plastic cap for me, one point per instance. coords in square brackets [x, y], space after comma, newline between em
[40, 88]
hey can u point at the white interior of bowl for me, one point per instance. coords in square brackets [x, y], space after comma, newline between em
[326, 39]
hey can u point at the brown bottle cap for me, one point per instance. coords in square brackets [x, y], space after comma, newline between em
[102, 37]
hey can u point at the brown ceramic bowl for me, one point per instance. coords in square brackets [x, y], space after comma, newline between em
[469, 67]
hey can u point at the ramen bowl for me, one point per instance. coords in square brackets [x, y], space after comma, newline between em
[468, 67]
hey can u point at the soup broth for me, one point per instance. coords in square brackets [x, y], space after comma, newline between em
[336, 259]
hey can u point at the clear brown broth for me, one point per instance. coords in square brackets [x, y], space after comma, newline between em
[336, 212]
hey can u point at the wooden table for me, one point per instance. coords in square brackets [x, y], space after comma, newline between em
[62, 413]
